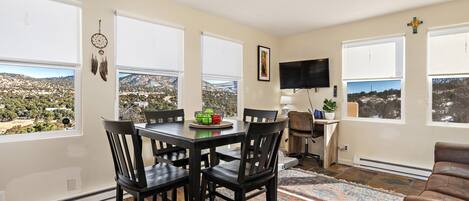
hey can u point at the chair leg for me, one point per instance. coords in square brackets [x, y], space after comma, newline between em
[203, 192]
[119, 193]
[164, 196]
[240, 195]
[271, 190]
[211, 190]
[206, 163]
[140, 197]
[186, 193]
[154, 197]
[174, 196]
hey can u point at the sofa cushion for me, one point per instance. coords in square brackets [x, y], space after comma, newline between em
[453, 186]
[452, 169]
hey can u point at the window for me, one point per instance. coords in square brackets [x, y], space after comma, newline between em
[149, 61]
[448, 74]
[40, 56]
[222, 73]
[373, 73]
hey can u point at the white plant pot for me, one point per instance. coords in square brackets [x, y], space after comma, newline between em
[330, 115]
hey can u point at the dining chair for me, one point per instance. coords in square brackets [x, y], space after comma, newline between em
[165, 152]
[131, 174]
[255, 170]
[249, 115]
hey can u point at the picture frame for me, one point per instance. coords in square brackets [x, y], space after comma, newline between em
[263, 63]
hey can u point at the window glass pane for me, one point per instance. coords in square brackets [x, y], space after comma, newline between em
[450, 99]
[221, 96]
[35, 99]
[374, 99]
[140, 92]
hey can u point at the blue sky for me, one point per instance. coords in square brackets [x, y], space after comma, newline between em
[367, 86]
[36, 72]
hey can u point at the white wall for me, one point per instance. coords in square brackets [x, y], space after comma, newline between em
[38, 170]
[410, 143]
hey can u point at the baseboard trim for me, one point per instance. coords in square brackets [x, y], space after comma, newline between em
[103, 195]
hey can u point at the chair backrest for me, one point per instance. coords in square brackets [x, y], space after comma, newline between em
[252, 115]
[264, 138]
[300, 121]
[164, 116]
[129, 170]
[160, 117]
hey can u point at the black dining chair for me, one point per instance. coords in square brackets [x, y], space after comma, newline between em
[131, 174]
[256, 169]
[165, 152]
[249, 115]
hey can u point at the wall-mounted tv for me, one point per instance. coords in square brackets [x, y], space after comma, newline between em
[304, 74]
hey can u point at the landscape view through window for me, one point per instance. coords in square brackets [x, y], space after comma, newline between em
[35, 99]
[222, 96]
[374, 99]
[142, 92]
[450, 99]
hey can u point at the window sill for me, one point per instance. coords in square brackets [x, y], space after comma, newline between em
[39, 136]
[448, 124]
[383, 121]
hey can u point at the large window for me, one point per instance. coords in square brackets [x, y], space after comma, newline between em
[448, 74]
[373, 77]
[40, 56]
[149, 61]
[222, 74]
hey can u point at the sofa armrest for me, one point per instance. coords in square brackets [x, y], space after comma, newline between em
[449, 152]
[417, 198]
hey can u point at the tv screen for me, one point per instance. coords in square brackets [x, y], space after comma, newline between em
[304, 74]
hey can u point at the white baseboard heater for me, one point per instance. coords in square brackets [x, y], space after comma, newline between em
[399, 169]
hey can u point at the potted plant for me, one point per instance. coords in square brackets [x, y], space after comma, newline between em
[329, 109]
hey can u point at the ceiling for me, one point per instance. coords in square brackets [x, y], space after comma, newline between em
[285, 17]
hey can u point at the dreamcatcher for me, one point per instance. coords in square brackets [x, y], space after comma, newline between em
[99, 41]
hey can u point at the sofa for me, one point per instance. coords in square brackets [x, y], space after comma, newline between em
[450, 176]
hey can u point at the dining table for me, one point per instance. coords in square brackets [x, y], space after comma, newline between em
[195, 140]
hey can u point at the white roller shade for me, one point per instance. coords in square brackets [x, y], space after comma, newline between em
[143, 44]
[221, 57]
[40, 30]
[373, 59]
[448, 51]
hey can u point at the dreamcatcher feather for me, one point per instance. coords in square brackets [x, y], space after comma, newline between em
[99, 41]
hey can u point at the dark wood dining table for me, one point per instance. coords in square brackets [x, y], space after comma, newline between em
[181, 135]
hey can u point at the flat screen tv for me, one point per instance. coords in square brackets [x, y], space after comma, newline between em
[304, 74]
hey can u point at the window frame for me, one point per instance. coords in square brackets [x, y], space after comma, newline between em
[400, 51]
[77, 130]
[77, 67]
[439, 31]
[239, 105]
[135, 70]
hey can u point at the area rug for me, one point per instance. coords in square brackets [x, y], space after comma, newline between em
[301, 185]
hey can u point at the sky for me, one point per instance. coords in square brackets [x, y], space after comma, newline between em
[36, 72]
[367, 86]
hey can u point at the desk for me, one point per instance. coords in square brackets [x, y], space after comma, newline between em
[330, 146]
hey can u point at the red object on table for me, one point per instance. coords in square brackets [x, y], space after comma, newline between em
[216, 119]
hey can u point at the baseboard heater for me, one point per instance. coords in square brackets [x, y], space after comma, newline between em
[399, 169]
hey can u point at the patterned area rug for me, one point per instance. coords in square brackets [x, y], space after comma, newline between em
[301, 185]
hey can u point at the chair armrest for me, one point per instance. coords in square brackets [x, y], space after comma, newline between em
[418, 198]
[449, 152]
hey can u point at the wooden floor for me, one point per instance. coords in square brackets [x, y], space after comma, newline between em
[397, 183]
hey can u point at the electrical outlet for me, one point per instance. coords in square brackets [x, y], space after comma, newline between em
[344, 147]
[71, 184]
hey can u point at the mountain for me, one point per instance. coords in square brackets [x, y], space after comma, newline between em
[138, 82]
[17, 82]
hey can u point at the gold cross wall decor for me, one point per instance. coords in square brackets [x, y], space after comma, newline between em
[415, 23]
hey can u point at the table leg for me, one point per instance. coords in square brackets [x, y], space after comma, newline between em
[194, 174]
